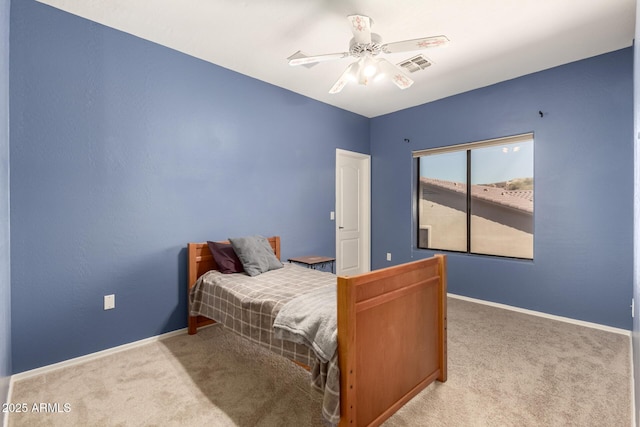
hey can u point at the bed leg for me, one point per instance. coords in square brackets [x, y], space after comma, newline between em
[193, 325]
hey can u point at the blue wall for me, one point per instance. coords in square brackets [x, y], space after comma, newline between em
[583, 244]
[5, 277]
[122, 151]
[636, 216]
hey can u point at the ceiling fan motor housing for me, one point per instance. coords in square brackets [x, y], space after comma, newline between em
[361, 49]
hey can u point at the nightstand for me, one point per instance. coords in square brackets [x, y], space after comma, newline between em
[314, 261]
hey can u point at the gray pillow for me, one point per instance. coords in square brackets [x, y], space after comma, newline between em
[256, 254]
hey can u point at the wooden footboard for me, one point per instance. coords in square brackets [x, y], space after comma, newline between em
[392, 338]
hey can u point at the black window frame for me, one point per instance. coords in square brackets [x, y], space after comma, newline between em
[468, 148]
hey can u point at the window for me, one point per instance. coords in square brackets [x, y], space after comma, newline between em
[478, 197]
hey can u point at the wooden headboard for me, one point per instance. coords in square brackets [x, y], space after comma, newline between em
[200, 259]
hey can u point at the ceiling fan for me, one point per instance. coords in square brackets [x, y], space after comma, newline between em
[366, 46]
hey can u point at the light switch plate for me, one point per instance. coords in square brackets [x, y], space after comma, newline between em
[109, 302]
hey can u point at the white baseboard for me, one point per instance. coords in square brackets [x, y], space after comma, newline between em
[92, 356]
[545, 315]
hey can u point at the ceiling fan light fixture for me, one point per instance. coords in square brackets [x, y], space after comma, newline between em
[369, 66]
[353, 72]
[369, 71]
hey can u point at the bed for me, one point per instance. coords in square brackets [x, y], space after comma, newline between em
[391, 333]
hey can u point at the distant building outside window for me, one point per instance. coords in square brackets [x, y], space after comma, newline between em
[477, 197]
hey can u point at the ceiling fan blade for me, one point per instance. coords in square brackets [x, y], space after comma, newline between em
[349, 75]
[398, 78]
[361, 28]
[415, 44]
[300, 58]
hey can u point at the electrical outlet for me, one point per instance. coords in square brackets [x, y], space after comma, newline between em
[388, 256]
[109, 302]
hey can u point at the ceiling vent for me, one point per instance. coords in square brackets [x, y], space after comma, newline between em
[416, 63]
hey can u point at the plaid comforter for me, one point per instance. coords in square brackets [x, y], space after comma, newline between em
[249, 306]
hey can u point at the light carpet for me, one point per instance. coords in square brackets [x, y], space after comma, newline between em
[505, 369]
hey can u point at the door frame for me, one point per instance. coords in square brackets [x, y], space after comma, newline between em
[365, 207]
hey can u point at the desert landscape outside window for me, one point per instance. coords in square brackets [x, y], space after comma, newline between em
[477, 197]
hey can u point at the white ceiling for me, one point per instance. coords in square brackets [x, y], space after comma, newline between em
[491, 40]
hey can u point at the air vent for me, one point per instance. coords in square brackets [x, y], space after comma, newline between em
[416, 63]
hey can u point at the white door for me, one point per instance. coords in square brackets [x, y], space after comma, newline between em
[353, 200]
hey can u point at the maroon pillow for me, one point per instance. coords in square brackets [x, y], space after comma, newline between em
[225, 257]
